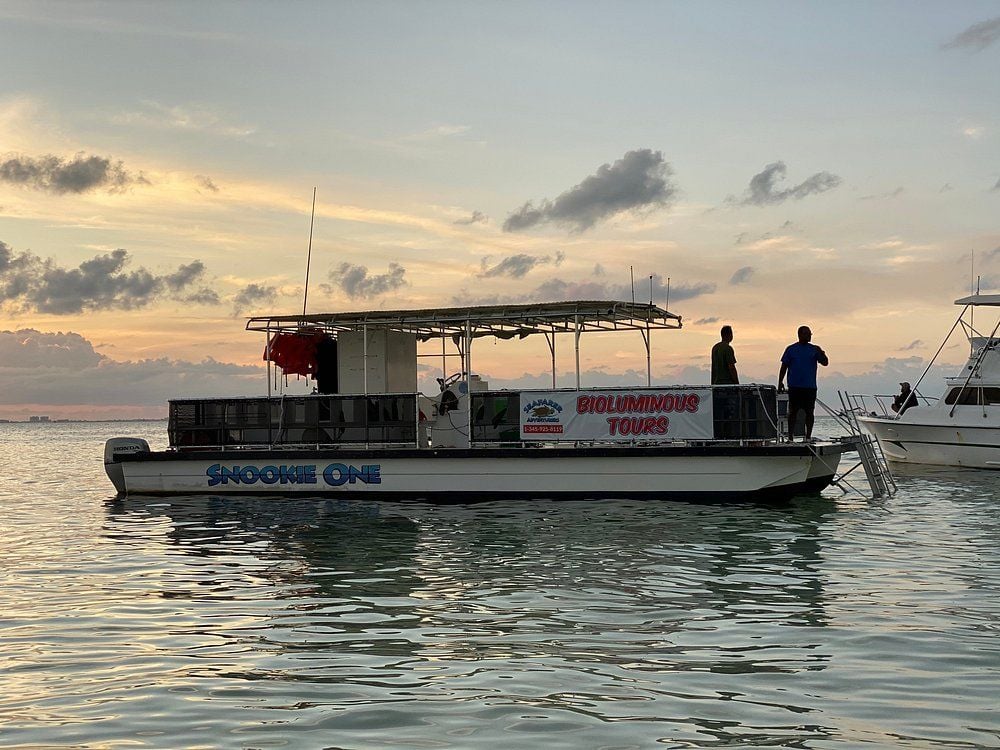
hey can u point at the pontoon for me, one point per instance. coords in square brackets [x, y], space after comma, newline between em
[368, 433]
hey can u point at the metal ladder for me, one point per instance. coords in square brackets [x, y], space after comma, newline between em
[873, 461]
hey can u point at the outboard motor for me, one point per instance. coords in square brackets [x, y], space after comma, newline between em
[116, 447]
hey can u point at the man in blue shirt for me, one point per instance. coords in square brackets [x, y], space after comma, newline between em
[799, 361]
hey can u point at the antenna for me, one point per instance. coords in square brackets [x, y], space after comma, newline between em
[972, 308]
[312, 218]
[631, 280]
[650, 290]
[666, 305]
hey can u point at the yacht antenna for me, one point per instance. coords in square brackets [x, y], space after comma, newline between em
[666, 305]
[312, 218]
[631, 281]
[972, 308]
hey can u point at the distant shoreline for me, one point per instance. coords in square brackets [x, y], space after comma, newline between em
[80, 421]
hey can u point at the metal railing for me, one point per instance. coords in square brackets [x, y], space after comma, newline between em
[386, 419]
[739, 413]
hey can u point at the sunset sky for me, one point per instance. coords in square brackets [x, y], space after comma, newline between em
[835, 164]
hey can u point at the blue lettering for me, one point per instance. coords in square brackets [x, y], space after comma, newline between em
[337, 474]
[334, 474]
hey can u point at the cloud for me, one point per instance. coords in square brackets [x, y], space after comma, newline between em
[477, 217]
[640, 180]
[706, 321]
[28, 348]
[64, 368]
[915, 344]
[191, 118]
[977, 37]
[561, 290]
[884, 196]
[53, 174]
[761, 191]
[252, 295]
[438, 132]
[355, 281]
[184, 276]
[742, 275]
[203, 296]
[101, 283]
[996, 186]
[516, 266]
[206, 182]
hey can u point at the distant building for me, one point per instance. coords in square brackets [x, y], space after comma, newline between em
[42, 418]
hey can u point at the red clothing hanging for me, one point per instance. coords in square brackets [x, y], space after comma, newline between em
[294, 353]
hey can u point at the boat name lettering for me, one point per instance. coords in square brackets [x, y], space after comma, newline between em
[338, 474]
[644, 404]
[334, 474]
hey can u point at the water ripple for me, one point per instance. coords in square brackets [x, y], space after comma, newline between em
[256, 622]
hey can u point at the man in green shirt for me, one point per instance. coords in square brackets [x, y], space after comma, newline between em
[724, 360]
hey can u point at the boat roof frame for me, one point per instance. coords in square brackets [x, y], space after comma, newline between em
[502, 321]
[980, 300]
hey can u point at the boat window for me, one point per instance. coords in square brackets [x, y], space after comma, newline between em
[991, 395]
[967, 396]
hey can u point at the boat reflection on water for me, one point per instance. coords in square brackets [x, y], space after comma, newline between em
[619, 581]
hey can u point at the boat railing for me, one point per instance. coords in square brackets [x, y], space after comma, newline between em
[740, 413]
[294, 421]
[880, 404]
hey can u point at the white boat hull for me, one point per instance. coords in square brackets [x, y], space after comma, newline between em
[463, 475]
[938, 440]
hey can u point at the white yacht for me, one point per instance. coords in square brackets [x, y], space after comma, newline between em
[963, 427]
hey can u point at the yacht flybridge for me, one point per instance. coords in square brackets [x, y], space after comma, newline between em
[368, 433]
[963, 427]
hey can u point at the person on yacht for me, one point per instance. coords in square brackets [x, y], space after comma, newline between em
[904, 399]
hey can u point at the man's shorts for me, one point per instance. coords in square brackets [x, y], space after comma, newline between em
[801, 398]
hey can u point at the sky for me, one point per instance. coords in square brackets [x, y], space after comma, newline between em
[833, 164]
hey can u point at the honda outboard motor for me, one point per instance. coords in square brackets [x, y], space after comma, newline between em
[116, 447]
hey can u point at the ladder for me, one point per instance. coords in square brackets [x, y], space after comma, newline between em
[873, 461]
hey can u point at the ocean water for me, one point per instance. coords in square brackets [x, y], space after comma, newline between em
[828, 622]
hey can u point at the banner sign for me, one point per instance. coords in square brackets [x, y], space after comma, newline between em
[618, 416]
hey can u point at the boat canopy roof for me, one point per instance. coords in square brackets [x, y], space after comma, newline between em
[501, 321]
[987, 300]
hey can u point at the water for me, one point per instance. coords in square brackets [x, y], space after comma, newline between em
[831, 622]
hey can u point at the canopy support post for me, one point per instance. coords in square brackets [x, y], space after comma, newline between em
[576, 320]
[550, 339]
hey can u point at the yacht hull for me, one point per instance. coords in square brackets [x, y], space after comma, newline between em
[940, 443]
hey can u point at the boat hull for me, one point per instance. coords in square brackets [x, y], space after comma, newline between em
[938, 443]
[465, 475]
